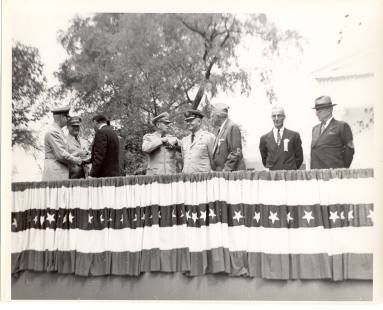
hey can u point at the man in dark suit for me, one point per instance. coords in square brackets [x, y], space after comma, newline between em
[105, 149]
[332, 143]
[227, 149]
[281, 148]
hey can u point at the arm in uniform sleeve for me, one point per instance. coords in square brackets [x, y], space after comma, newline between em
[150, 143]
[263, 150]
[235, 147]
[348, 145]
[298, 151]
[99, 151]
[60, 149]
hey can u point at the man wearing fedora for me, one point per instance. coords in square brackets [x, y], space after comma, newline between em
[105, 149]
[57, 157]
[227, 149]
[77, 147]
[196, 148]
[281, 148]
[160, 147]
[332, 143]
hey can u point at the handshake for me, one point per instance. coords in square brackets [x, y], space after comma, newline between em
[82, 157]
[169, 142]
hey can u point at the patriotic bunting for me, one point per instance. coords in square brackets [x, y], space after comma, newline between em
[276, 225]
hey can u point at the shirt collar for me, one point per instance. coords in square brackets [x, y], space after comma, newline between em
[328, 121]
[275, 130]
[102, 125]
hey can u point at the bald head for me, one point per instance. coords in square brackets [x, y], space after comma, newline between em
[219, 113]
[278, 116]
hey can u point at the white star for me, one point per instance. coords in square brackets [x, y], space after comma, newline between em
[182, 214]
[50, 218]
[203, 215]
[90, 219]
[188, 216]
[237, 216]
[257, 216]
[289, 218]
[308, 216]
[342, 215]
[350, 215]
[35, 219]
[212, 213]
[273, 216]
[71, 217]
[143, 216]
[135, 218]
[370, 214]
[174, 213]
[122, 218]
[42, 219]
[14, 223]
[110, 219]
[102, 218]
[334, 216]
[159, 214]
[194, 216]
[64, 220]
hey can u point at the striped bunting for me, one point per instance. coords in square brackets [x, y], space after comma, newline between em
[244, 223]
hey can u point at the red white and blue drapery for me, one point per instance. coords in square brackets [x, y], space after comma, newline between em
[314, 224]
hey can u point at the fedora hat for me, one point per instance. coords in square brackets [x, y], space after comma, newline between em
[323, 102]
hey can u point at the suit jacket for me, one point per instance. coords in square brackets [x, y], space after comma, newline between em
[105, 153]
[287, 156]
[197, 155]
[161, 159]
[227, 150]
[333, 148]
[57, 157]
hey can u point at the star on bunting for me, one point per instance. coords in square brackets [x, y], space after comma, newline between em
[212, 213]
[334, 216]
[35, 219]
[90, 219]
[14, 223]
[64, 220]
[50, 218]
[194, 216]
[188, 216]
[135, 218]
[71, 217]
[203, 215]
[42, 219]
[237, 216]
[102, 218]
[289, 218]
[273, 216]
[159, 214]
[122, 218]
[308, 216]
[174, 213]
[257, 216]
[370, 215]
[350, 215]
[143, 216]
[342, 215]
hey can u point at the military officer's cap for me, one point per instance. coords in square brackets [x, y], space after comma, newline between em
[61, 110]
[323, 102]
[192, 114]
[75, 121]
[163, 118]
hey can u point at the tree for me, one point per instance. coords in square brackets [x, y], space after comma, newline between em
[28, 84]
[133, 66]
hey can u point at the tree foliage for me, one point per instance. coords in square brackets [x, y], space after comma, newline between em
[133, 66]
[28, 84]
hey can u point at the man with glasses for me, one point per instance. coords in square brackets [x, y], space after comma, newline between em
[57, 157]
[160, 147]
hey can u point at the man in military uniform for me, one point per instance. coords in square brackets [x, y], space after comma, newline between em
[197, 148]
[77, 147]
[332, 143]
[57, 156]
[160, 147]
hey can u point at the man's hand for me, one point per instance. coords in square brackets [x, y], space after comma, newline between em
[78, 161]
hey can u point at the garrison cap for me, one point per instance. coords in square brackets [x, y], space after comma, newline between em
[163, 118]
[192, 114]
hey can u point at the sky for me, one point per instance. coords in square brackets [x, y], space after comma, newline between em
[37, 23]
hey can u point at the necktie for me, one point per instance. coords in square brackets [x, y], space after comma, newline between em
[322, 127]
[192, 137]
[278, 137]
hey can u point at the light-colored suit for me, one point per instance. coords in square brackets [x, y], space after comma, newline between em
[161, 159]
[57, 156]
[197, 156]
